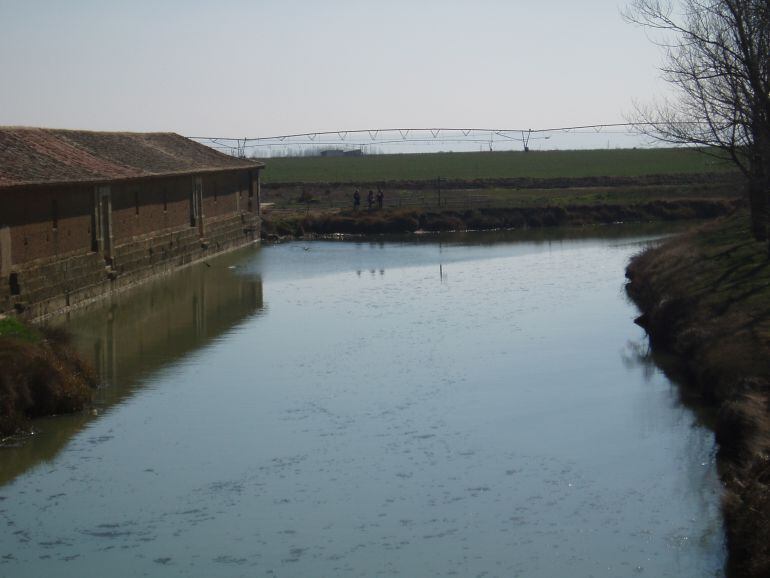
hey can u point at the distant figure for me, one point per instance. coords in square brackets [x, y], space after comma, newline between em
[380, 197]
[370, 199]
[356, 200]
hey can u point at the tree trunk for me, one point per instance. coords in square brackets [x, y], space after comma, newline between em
[757, 192]
[759, 181]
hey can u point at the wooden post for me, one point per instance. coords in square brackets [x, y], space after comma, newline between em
[5, 251]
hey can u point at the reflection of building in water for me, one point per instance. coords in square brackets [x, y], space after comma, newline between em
[142, 331]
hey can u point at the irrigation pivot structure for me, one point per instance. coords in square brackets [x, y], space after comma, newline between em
[421, 139]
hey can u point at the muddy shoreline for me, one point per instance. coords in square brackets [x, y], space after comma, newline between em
[704, 300]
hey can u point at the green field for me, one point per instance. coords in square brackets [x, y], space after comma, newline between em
[490, 165]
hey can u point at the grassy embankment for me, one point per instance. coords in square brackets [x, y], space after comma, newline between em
[494, 190]
[705, 298]
[40, 374]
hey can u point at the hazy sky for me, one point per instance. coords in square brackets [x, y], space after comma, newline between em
[266, 67]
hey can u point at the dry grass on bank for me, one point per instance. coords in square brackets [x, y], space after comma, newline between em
[365, 222]
[40, 374]
[706, 295]
[706, 298]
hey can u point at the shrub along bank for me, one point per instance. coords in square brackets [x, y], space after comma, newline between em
[705, 297]
[40, 374]
[409, 220]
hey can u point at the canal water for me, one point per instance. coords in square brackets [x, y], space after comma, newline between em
[455, 405]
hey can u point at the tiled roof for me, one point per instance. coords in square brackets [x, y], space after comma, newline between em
[38, 155]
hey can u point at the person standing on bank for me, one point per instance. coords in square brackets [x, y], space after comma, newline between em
[380, 197]
[370, 199]
[356, 200]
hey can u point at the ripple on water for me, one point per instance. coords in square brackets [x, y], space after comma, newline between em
[400, 424]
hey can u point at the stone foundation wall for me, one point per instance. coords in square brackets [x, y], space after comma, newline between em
[45, 287]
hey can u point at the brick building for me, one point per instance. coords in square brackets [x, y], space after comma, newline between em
[84, 213]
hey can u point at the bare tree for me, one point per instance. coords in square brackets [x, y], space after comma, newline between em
[717, 56]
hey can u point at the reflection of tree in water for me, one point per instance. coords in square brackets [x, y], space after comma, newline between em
[695, 414]
[639, 355]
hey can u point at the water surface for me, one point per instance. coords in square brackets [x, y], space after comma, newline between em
[471, 405]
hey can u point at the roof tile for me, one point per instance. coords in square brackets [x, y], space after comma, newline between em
[38, 155]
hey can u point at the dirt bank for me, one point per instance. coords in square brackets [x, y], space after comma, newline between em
[40, 375]
[705, 297]
[410, 220]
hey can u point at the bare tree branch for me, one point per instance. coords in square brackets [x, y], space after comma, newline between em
[717, 56]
